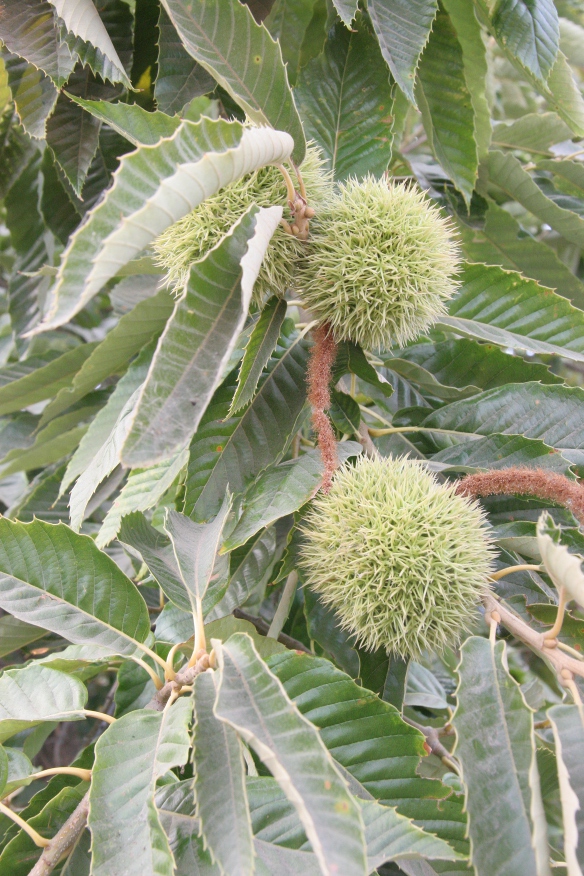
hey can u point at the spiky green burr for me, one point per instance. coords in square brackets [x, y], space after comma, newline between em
[380, 263]
[401, 559]
[195, 234]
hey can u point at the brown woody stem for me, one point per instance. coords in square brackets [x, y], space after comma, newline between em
[63, 840]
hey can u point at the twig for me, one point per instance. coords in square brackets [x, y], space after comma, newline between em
[538, 642]
[262, 627]
[63, 840]
[183, 678]
[434, 744]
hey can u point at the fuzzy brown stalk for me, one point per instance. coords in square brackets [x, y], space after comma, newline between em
[320, 366]
[526, 482]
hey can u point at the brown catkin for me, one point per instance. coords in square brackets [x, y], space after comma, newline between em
[322, 358]
[526, 482]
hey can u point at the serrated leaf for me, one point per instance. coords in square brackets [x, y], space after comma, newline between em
[219, 785]
[369, 739]
[281, 490]
[423, 689]
[105, 420]
[254, 703]
[244, 59]
[128, 337]
[506, 309]
[347, 10]
[507, 172]
[102, 465]
[175, 175]
[534, 132]
[564, 95]
[502, 451]
[195, 548]
[403, 28]
[180, 78]
[32, 380]
[73, 136]
[474, 58]
[515, 410]
[127, 837]
[175, 805]
[287, 22]
[568, 730]
[233, 450]
[198, 340]
[27, 28]
[346, 105]
[564, 568]
[251, 570]
[446, 106]
[142, 490]
[495, 737]
[530, 32]
[60, 581]
[501, 241]
[140, 127]
[82, 20]
[258, 350]
[36, 694]
[33, 93]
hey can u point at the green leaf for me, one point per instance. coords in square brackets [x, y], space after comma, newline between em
[515, 410]
[180, 78]
[33, 93]
[564, 568]
[142, 490]
[509, 175]
[502, 242]
[127, 837]
[351, 358]
[35, 694]
[82, 20]
[102, 465]
[322, 627]
[27, 28]
[198, 340]
[474, 59]
[347, 10]
[403, 28]
[195, 548]
[424, 689]
[234, 450]
[369, 739]
[103, 424]
[530, 32]
[568, 730]
[220, 784]
[495, 737]
[346, 105]
[534, 132]
[502, 451]
[288, 22]
[281, 490]
[59, 580]
[254, 703]
[174, 176]
[15, 634]
[25, 383]
[564, 95]
[19, 768]
[128, 337]
[506, 309]
[251, 571]
[73, 136]
[258, 350]
[446, 106]
[176, 807]
[345, 413]
[140, 127]
[244, 59]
